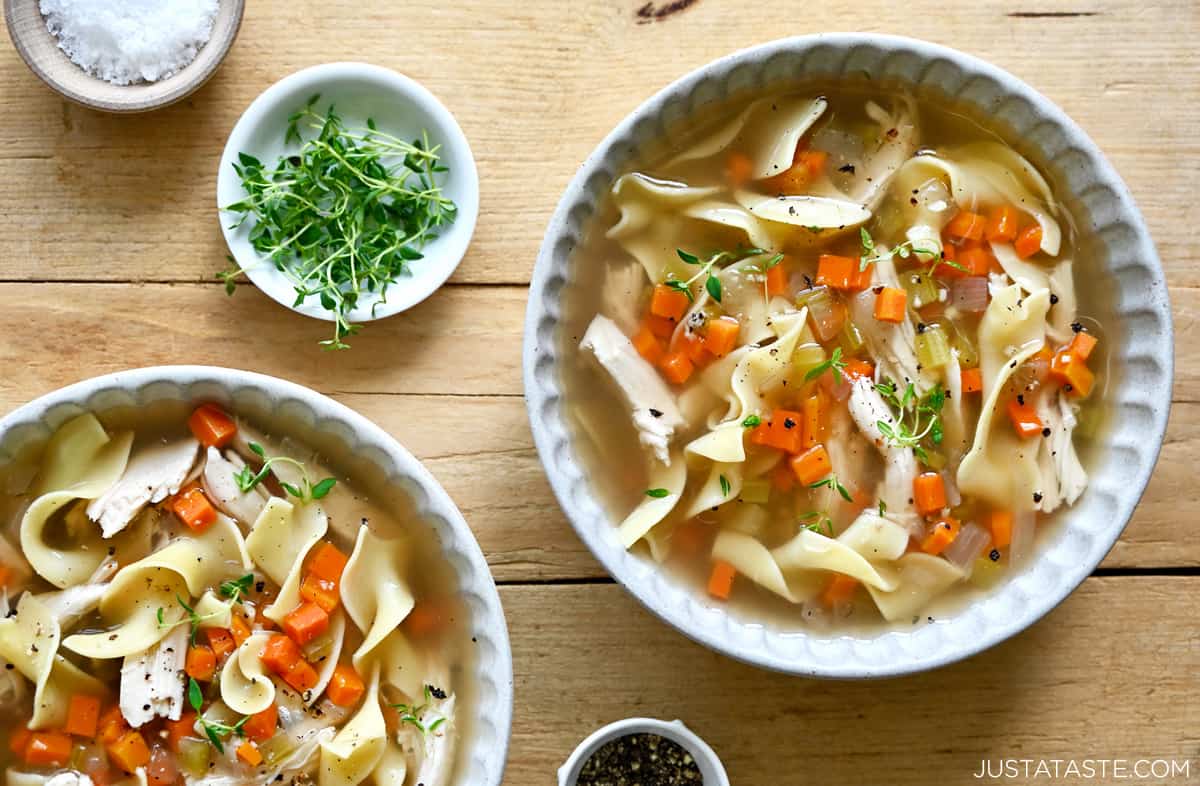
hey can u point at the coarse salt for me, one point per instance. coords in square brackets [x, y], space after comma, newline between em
[133, 40]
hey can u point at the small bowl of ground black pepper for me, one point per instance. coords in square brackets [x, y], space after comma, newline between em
[643, 752]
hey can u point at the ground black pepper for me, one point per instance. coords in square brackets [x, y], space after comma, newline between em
[640, 760]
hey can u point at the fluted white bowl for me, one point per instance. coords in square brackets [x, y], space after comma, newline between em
[285, 408]
[1114, 244]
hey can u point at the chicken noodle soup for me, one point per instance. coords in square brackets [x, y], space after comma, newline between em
[845, 333]
[199, 604]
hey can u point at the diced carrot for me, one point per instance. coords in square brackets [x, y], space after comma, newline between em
[111, 726]
[221, 641]
[720, 335]
[179, 729]
[739, 169]
[972, 380]
[1000, 525]
[812, 465]
[929, 493]
[784, 431]
[661, 327]
[690, 344]
[427, 618]
[720, 581]
[1002, 224]
[345, 686]
[48, 748]
[248, 753]
[319, 591]
[943, 533]
[782, 478]
[193, 508]
[261, 725]
[6, 575]
[857, 367]
[648, 345]
[305, 623]
[239, 629]
[676, 368]
[806, 167]
[1072, 373]
[129, 752]
[812, 410]
[212, 426]
[975, 257]
[1082, 344]
[839, 590]
[83, 715]
[327, 562]
[282, 656]
[966, 226]
[1028, 242]
[301, 676]
[200, 663]
[1024, 418]
[668, 302]
[19, 739]
[842, 273]
[777, 280]
[890, 305]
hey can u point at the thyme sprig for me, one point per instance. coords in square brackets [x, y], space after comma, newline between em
[870, 254]
[308, 491]
[214, 730]
[916, 418]
[345, 216]
[412, 713]
[236, 589]
[817, 521]
[833, 364]
[832, 482]
[711, 283]
[190, 618]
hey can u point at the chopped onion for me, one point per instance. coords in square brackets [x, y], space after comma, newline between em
[1024, 529]
[969, 294]
[966, 547]
[824, 314]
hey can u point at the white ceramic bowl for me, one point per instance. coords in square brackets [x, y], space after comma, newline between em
[1114, 244]
[286, 408]
[400, 107]
[711, 769]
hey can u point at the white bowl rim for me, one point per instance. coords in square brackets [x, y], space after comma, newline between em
[479, 582]
[843, 660]
[404, 294]
[706, 758]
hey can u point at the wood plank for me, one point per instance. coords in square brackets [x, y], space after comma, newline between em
[1110, 674]
[97, 197]
[465, 416]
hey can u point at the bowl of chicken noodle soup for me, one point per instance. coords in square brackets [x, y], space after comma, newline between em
[848, 355]
[212, 577]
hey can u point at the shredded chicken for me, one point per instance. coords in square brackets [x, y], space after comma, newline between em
[223, 490]
[652, 404]
[152, 682]
[868, 408]
[73, 603]
[153, 473]
[894, 347]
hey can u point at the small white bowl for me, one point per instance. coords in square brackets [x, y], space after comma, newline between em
[400, 107]
[711, 769]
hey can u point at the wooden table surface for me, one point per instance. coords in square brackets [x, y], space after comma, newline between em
[110, 241]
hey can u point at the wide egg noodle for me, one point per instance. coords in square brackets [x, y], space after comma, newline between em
[359, 746]
[915, 580]
[81, 461]
[725, 443]
[875, 537]
[651, 510]
[723, 484]
[29, 641]
[374, 594]
[185, 568]
[1001, 467]
[281, 538]
[754, 561]
[392, 768]
[245, 684]
[764, 368]
[337, 635]
[813, 551]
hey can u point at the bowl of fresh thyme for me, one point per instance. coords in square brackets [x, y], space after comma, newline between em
[347, 192]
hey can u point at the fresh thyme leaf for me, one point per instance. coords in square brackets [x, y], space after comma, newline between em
[882, 507]
[257, 448]
[725, 487]
[818, 522]
[751, 421]
[235, 589]
[833, 363]
[713, 285]
[195, 695]
[246, 479]
[345, 216]
[680, 286]
[773, 261]
[690, 259]
[434, 726]
[159, 616]
[657, 493]
[835, 484]
[213, 738]
[322, 489]
[290, 489]
[868, 243]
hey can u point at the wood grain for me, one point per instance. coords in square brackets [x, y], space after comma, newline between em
[535, 86]
[1082, 683]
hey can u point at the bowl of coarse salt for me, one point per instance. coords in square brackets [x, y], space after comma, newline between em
[128, 56]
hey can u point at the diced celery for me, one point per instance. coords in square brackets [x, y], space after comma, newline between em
[922, 290]
[986, 573]
[816, 295]
[960, 340]
[852, 338]
[757, 491]
[806, 357]
[318, 649]
[933, 350]
[193, 756]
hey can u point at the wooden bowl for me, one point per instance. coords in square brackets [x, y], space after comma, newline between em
[39, 49]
